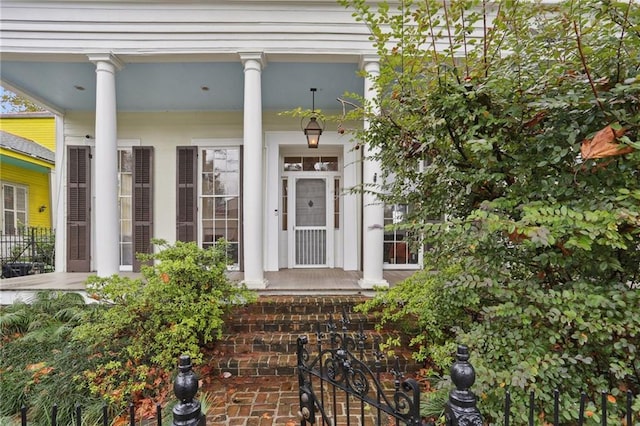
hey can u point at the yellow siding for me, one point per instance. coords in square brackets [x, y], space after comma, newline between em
[38, 188]
[38, 129]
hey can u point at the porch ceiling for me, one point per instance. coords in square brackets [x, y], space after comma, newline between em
[181, 86]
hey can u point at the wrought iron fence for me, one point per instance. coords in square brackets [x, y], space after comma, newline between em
[27, 250]
[187, 412]
[337, 385]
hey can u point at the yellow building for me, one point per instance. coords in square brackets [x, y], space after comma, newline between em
[26, 163]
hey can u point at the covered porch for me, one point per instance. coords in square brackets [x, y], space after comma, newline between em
[285, 281]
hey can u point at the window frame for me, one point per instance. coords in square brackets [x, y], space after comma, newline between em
[25, 211]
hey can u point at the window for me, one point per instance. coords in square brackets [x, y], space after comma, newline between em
[220, 199]
[311, 164]
[125, 185]
[400, 246]
[14, 207]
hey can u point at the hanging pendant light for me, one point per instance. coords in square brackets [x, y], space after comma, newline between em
[314, 127]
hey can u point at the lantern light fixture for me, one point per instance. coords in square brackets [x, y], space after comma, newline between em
[315, 126]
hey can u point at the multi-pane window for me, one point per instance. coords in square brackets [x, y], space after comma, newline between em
[311, 164]
[14, 207]
[399, 244]
[220, 198]
[125, 185]
[285, 204]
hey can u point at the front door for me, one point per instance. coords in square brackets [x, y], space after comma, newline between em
[311, 236]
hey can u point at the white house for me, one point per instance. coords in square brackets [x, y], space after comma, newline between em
[169, 126]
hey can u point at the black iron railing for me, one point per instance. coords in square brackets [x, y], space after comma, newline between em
[27, 250]
[187, 412]
[337, 387]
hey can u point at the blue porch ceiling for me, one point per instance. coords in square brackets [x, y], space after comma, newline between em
[178, 86]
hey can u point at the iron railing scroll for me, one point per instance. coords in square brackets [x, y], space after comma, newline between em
[461, 409]
[342, 382]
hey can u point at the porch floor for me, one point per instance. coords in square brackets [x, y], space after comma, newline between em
[285, 281]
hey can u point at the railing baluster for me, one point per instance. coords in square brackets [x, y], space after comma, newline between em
[604, 408]
[507, 408]
[378, 365]
[78, 415]
[159, 414]
[556, 407]
[54, 415]
[532, 407]
[629, 403]
[132, 415]
[23, 415]
[583, 401]
[105, 416]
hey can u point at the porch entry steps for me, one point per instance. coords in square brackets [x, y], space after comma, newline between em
[260, 339]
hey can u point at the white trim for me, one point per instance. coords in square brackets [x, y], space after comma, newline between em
[128, 143]
[291, 143]
[216, 142]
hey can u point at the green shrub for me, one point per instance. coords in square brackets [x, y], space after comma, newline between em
[39, 361]
[145, 324]
[485, 122]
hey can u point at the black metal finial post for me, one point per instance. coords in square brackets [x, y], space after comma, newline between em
[461, 408]
[187, 412]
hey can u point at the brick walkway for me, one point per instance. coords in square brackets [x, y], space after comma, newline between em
[271, 401]
[252, 401]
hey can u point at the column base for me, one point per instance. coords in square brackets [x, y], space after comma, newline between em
[371, 284]
[256, 284]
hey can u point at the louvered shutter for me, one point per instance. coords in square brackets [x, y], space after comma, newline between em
[78, 209]
[186, 197]
[142, 202]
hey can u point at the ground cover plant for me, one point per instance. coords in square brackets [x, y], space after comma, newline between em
[511, 129]
[124, 348]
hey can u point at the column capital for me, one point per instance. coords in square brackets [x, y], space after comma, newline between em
[109, 58]
[248, 57]
[370, 63]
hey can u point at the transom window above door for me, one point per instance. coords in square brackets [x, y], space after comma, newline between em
[311, 164]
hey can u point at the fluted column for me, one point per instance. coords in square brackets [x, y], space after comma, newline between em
[253, 180]
[107, 256]
[372, 207]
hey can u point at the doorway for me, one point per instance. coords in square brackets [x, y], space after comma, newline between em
[311, 227]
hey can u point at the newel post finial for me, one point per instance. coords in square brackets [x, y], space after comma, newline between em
[461, 408]
[187, 411]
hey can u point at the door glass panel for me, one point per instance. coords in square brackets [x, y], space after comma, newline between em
[311, 220]
[311, 202]
[292, 164]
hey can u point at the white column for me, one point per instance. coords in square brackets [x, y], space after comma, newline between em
[58, 197]
[372, 207]
[106, 167]
[253, 179]
[351, 213]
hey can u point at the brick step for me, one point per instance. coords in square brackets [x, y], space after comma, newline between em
[278, 364]
[286, 343]
[303, 305]
[287, 323]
